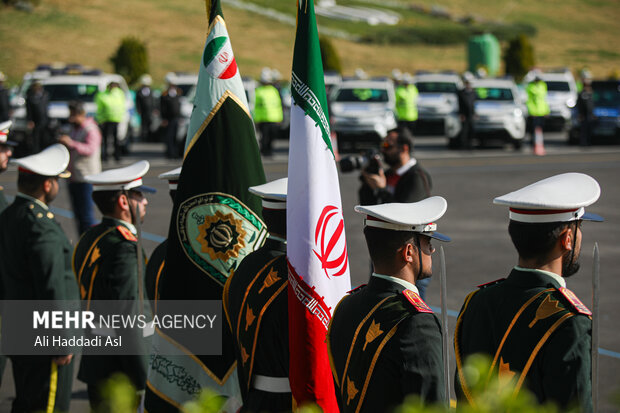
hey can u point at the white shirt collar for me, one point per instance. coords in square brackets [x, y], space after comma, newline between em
[556, 277]
[400, 281]
[33, 199]
[129, 225]
[400, 171]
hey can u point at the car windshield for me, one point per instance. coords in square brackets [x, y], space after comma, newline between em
[65, 93]
[494, 93]
[436, 87]
[606, 94]
[362, 95]
[558, 86]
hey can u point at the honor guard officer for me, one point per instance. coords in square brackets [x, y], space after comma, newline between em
[6, 150]
[535, 329]
[36, 265]
[256, 307]
[384, 342]
[107, 267]
[155, 265]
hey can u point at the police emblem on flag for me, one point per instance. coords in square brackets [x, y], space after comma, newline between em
[217, 231]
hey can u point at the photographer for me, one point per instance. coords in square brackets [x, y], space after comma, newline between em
[405, 181]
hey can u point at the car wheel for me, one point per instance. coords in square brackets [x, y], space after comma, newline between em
[517, 144]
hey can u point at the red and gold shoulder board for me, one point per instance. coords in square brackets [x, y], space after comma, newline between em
[417, 302]
[126, 233]
[491, 283]
[356, 289]
[575, 302]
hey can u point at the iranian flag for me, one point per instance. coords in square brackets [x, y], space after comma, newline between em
[316, 245]
[215, 223]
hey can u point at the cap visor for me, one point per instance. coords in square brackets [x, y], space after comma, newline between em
[588, 216]
[438, 236]
[144, 188]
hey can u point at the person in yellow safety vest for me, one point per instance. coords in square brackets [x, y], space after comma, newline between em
[538, 108]
[268, 112]
[110, 112]
[406, 102]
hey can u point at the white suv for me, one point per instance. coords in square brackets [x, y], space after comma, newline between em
[438, 105]
[362, 112]
[499, 111]
[65, 88]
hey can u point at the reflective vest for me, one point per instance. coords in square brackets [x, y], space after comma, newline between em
[537, 99]
[267, 105]
[406, 103]
[110, 105]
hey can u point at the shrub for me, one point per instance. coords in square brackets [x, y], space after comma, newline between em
[331, 60]
[131, 59]
[519, 57]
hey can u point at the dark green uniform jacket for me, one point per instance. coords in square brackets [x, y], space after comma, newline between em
[3, 201]
[384, 346]
[256, 306]
[549, 341]
[35, 264]
[106, 266]
[154, 270]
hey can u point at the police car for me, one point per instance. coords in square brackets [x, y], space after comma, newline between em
[362, 112]
[499, 111]
[79, 84]
[438, 106]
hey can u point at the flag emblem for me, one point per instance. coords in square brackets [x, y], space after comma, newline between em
[218, 57]
[217, 231]
[330, 241]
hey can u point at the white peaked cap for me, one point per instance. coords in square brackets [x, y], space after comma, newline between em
[172, 177]
[129, 177]
[273, 194]
[416, 216]
[4, 133]
[51, 161]
[560, 198]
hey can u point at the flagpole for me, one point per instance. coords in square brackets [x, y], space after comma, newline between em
[444, 322]
[595, 325]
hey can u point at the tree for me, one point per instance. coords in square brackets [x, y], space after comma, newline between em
[519, 57]
[331, 60]
[131, 59]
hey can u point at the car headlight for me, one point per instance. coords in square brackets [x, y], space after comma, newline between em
[517, 113]
[571, 103]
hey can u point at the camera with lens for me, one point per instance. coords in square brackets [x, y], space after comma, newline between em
[369, 161]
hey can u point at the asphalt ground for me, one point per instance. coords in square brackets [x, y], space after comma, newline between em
[481, 250]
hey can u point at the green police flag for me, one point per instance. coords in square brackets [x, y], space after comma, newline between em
[215, 221]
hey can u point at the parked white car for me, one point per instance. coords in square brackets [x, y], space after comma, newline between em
[438, 105]
[80, 87]
[362, 112]
[499, 111]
